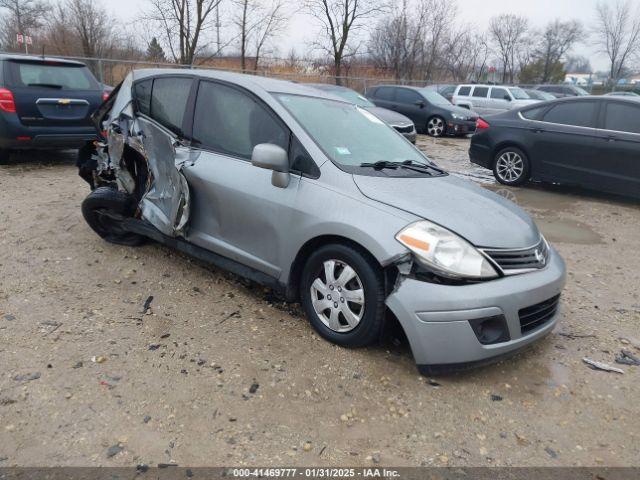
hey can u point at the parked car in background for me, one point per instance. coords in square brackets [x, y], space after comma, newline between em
[490, 99]
[561, 91]
[539, 94]
[593, 142]
[322, 201]
[402, 124]
[431, 112]
[623, 94]
[445, 90]
[46, 103]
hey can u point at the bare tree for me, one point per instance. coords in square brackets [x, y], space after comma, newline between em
[92, 25]
[20, 16]
[183, 25]
[340, 21]
[507, 32]
[617, 34]
[271, 24]
[555, 41]
[578, 64]
[465, 54]
[411, 41]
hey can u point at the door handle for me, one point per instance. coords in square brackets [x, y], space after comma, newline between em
[537, 130]
[610, 139]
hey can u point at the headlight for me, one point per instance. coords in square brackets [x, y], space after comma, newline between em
[458, 116]
[444, 252]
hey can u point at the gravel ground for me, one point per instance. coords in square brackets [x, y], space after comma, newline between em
[218, 372]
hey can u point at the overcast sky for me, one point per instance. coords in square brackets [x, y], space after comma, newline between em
[476, 12]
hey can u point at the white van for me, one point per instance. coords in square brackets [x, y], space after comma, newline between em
[490, 99]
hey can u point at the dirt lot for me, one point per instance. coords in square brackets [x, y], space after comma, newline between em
[219, 373]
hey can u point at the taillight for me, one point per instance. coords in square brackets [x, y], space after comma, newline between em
[481, 124]
[105, 95]
[7, 104]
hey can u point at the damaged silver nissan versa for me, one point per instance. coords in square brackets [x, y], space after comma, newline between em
[320, 200]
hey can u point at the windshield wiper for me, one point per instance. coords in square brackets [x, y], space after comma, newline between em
[49, 85]
[380, 164]
[421, 167]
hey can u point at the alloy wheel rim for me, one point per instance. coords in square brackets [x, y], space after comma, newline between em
[510, 166]
[337, 296]
[435, 127]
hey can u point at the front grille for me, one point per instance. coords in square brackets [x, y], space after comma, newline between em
[407, 129]
[512, 261]
[537, 315]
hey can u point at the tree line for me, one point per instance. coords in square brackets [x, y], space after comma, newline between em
[421, 40]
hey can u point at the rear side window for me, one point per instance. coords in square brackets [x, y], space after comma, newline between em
[622, 117]
[480, 92]
[142, 93]
[464, 91]
[51, 75]
[404, 95]
[579, 114]
[169, 101]
[384, 93]
[232, 122]
[499, 93]
[533, 113]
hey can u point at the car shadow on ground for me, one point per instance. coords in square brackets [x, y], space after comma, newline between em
[41, 157]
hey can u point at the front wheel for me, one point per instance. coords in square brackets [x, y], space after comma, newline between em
[511, 167]
[342, 293]
[436, 127]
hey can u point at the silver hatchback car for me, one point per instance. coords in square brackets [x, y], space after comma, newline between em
[320, 200]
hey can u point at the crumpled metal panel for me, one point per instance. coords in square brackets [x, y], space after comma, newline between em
[165, 204]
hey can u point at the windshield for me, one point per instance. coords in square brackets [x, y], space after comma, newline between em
[519, 94]
[349, 135]
[581, 91]
[352, 96]
[434, 97]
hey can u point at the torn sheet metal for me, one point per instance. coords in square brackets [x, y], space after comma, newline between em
[165, 202]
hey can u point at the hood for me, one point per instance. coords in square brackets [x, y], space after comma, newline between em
[390, 117]
[482, 217]
[462, 111]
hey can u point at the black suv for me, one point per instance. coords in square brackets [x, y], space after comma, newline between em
[431, 112]
[46, 103]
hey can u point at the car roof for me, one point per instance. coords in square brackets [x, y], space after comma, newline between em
[487, 85]
[40, 59]
[271, 85]
[411, 87]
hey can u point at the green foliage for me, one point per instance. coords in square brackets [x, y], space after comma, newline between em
[534, 72]
[155, 53]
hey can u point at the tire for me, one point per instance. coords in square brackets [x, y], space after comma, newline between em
[118, 205]
[511, 166]
[5, 156]
[356, 323]
[436, 126]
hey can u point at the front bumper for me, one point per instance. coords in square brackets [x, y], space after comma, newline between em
[460, 127]
[480, 154]
[436, 317]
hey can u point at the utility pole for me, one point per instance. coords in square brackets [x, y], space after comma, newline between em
[218, 28]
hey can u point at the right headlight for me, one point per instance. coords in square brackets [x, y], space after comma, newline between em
[445, 253]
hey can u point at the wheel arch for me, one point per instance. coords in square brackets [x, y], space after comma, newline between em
[295, 272]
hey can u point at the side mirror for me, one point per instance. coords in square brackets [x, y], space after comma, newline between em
[507, 98]
[275, 158]
[419, 103]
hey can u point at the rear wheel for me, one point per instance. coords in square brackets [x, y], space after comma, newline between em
[511, 166]
[4, 156]
[342, 292]
[436, 127]
[104, 209]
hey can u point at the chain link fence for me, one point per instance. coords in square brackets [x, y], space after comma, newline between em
[112, 71]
